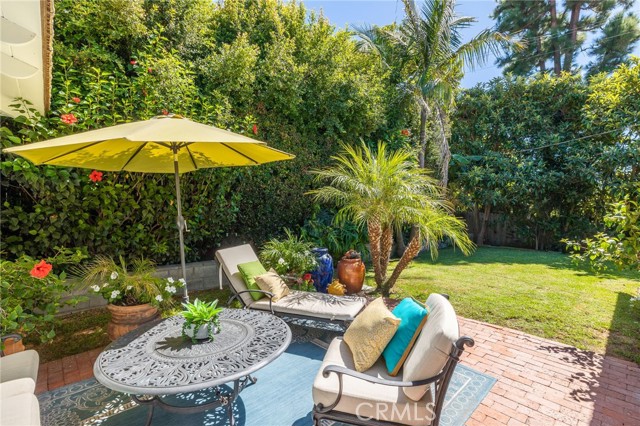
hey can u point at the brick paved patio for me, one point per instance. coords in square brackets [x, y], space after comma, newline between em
[540, 382]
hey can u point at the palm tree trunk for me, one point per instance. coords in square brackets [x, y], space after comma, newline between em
[445, 151]
[375, 234]
[386, 243]
[413, 249]
[424, 115]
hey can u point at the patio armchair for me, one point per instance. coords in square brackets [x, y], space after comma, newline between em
[322, 307]
[414, 397]
[18, 377]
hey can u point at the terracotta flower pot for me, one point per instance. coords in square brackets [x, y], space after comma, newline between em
[12, 346]
[351, 273]
[127, 318]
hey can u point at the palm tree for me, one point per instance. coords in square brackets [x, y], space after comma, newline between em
[384, 191]
[427, 47]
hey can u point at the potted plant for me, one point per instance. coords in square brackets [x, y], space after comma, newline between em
[32, 294]
[200, 320]
[290, 257]
[133, 291]
[351, 271]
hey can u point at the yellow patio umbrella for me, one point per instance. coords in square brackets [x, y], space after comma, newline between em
[164, 144]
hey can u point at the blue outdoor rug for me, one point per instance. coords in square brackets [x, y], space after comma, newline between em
[281, 397]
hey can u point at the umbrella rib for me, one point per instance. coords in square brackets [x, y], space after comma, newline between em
[72, 152]
[238, 152]
[193, 160]
[134, 154]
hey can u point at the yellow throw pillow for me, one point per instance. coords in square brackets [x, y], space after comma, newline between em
[370, 333]
[272, 282]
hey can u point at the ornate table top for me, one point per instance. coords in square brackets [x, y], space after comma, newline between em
[161, 362]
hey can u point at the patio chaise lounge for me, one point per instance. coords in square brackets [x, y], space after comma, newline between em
[414, 397]
[18, 376]
[298, 304]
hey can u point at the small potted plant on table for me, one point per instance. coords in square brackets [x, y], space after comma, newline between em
[201, 320]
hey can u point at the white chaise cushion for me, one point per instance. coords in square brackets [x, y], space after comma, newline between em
[319, 305]
[19, 365]
[361, 398]
[432, 348]
[229, 260]
[17, 387]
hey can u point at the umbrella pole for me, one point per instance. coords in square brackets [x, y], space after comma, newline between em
[181, 224]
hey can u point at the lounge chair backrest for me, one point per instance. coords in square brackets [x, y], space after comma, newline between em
[432, 348]
[229, 260]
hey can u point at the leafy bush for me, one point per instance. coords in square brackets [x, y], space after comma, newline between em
[291, 255]
[32, 293]
[338, 237]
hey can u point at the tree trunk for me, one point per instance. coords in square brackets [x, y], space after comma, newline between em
[424, 115]
[541, 63]
[375, 234]
[413, 249]
[573, 28]
[483, 227]
[554, 38]
[386, 243]
[444, 150]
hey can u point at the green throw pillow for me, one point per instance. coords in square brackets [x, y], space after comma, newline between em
[413, 316]
[249, 272]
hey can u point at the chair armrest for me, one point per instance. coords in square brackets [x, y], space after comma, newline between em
[376, 380]
[17, 387]
[266, 293]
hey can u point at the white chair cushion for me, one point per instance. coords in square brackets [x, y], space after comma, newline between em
[19, 365]
[229, 260]
[319, 305]
[17, 387]
[20, 410]
[361, 398]
[432, 348]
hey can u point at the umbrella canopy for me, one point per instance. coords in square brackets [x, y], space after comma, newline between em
[164, 144]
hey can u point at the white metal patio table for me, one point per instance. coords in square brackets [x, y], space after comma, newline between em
[150, 363]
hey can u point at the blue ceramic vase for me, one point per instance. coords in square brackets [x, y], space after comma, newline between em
[323, 274]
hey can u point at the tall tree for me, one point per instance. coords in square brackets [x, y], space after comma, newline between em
[384, 190]
[555, 33]
[428, 47]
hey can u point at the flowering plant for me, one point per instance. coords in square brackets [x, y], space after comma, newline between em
[291, 255]
[32, 293]
[128, 285]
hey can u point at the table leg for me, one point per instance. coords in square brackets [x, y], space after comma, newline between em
[150, 414]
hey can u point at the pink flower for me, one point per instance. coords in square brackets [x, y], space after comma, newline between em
[255, 129]
[76, 99]
[133, 62]
[95, 176]
[165, 112]
[68, 118]
[41, 270]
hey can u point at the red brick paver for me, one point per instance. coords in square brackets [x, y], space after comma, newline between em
[540, 382]
[546, 383]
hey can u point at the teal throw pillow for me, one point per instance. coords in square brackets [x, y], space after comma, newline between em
[413, 315]
[249, 272]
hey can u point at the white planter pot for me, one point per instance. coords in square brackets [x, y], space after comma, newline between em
[201, 333]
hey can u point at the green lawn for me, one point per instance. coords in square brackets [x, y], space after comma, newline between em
[540, 293]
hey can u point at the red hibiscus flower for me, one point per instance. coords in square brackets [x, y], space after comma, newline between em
[41, 270]
[405, 132]
[76, 99]
[165, 112]
[95, 176]
[133, 62]
[306, 277]
[68, 118]
[255, 129]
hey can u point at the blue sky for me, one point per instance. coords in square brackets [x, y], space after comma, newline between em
[344, 13]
